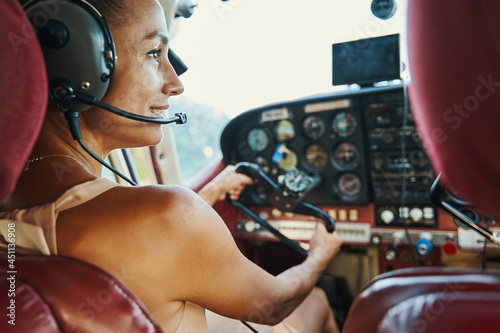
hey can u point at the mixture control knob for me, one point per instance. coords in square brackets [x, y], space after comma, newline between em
[416, 214]
[424, 245]
[387, 216]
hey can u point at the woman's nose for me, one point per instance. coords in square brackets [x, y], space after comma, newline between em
[172, 85]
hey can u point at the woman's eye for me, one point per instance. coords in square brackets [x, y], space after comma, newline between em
[155, 54]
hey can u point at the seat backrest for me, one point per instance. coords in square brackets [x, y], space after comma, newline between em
[28, 304]
[23, 90]
[426, 271]
[453, 52]
[71, 295]
[374, 302]
[47, 294]
[437, 313]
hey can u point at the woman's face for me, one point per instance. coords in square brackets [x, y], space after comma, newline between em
[143, 80]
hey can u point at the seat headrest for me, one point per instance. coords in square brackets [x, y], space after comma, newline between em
[453, 52]
[23, 91]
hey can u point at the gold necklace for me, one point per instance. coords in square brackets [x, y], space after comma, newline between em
[35, 159]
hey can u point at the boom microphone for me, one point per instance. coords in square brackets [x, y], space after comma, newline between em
[72, 116]
[179, 118]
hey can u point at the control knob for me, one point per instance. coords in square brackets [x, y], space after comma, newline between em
[391, 253]
[416, 214]
[250, 226]
[424, 245]
[387, 216]
[397, 238]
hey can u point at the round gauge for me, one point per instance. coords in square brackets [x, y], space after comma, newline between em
[314, 128]
[296, 180]
[346, 155]
[284, 157]
[316, 156]
[288, 161]
[349, 184]
[263, 163]
[284, 130]
[257, 139]
[384, 9]
[344, 124]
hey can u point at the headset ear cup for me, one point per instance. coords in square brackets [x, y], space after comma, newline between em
[77, 46]
[54, 34]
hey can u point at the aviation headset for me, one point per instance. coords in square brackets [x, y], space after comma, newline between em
[80, 59]
[77, 46]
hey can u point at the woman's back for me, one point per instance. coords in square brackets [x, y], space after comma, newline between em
[73, 222]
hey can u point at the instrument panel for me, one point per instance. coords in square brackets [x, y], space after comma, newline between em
[319, 136]
[363, 144]
[375, 176]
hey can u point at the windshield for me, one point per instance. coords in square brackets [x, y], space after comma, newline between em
[243, 54]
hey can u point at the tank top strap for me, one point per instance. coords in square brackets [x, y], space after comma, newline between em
[82, 193]
[193, 320]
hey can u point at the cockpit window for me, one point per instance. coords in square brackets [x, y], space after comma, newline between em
[245, 54]
[198, 141]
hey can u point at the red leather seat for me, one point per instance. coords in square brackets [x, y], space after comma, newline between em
[453, 51]
[60, 294]
[425, 271]
[29, 304]
[444, 312]
[23, 88]
[376, 301]
[50, 293]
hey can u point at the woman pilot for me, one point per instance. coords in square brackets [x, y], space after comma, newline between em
[168, 246]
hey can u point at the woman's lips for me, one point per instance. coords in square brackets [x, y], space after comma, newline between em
[158, 112]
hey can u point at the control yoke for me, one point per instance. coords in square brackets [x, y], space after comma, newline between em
[289, 194]
[287, 197]
[439, 198]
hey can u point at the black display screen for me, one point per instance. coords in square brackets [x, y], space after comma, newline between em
[366, 61]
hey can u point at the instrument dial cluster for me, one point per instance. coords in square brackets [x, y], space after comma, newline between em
[323, 137]
[363, 145]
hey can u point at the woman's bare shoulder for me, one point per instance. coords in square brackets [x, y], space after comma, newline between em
[130, 219]
[131, 208]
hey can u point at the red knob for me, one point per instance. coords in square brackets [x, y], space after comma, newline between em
[450, 248]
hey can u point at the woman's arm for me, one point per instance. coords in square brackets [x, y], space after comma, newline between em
[299, 277]
[227, 182]
[218, 277]
[168, 245]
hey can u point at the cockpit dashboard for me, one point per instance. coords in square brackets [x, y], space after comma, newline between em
[363, 144]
